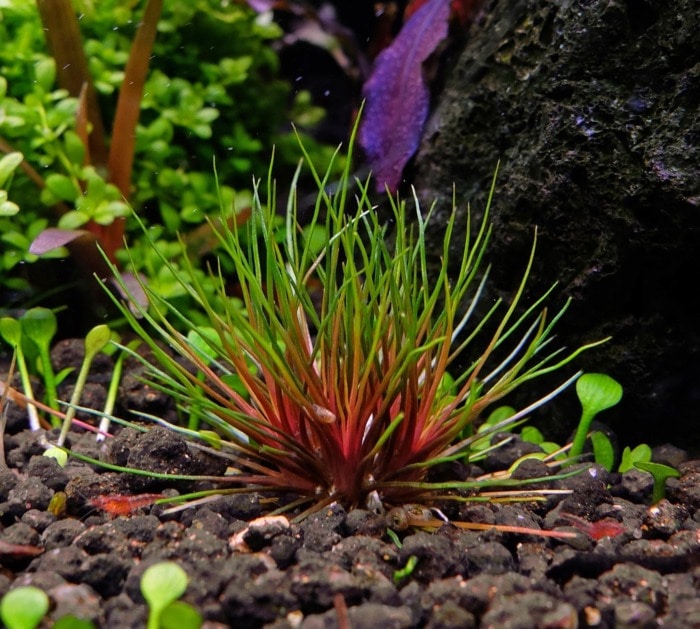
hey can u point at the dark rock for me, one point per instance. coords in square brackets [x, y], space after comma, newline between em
[61, 533]
[366, 615]
[38, 520]
[491, 558]
[607, 164]
[28, 493]
[636, 485]
[66, 561]
[668, 454]
[363, 522]
[451, 616]
[503, 457]
[321, 530]
[105, 573]
[437, 557]
[530, 609]
[48, 471]
[80, 601]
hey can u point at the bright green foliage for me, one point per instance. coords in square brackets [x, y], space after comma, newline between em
[8, 164]
[630, 457]
[347, 398]
[161, 585]
[659, 473]
[213, 91]
[95, 342]
[24, 607]
[31, 336]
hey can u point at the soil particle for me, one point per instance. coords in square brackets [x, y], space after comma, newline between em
[502, 458]
[80, 601]
[61, 533]
[28, 493]
[490, 557]
[321, 531]
[636, 485]
[366, 615]
[534, 609]
[437, 557]
[48, 471]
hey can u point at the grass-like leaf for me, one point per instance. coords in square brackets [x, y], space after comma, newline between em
[345, 395]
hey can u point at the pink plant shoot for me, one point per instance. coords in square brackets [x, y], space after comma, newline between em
[341, 393]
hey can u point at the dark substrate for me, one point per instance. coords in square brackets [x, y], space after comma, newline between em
[338, 568]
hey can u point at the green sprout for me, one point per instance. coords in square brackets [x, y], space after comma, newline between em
[95, 341]
[113, 390]
[659, 473]
[161, 585]
[11, 331]
[40, 325]
[596, 392]
[630, 457]
[402, 573]
[411, 563]
[24, 607]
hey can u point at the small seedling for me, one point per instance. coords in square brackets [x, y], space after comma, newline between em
[659, 473]
[11, 331]
[40, 325]
[113, 390]
[95, 341]
[411, 563]
[407, 570]
[161, 585]
[596, 392]
[24, 607]
[603, 450]
[630, 457]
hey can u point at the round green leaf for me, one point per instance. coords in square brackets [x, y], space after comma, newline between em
[40, 325]
[62, 187]
[8, 165]
[179, 615]
[11, 331]
[598, 391]
[75, 149]
[96, 339]
[163, 583]
[59, 454]
[8, 208]
[24, 607]
[45, 72]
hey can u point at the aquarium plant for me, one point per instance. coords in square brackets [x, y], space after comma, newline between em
[343, 346]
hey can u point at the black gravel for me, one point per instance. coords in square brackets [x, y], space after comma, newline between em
[337, 568]
[340, 569]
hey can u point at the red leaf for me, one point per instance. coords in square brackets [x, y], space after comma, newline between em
[397, 98]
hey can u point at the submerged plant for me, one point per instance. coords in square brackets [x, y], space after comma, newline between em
[346, 400]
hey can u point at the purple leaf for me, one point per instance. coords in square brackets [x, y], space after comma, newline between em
[397, 98]
[53, 238]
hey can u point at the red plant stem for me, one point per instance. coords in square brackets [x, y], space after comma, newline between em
[479, 526]
[121, 154]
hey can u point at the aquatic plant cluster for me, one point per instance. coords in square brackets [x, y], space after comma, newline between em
[349, 399]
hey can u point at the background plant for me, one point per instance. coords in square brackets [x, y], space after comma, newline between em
[346, 399]
[203, 96]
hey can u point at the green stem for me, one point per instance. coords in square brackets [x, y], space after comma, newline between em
[581, 434]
